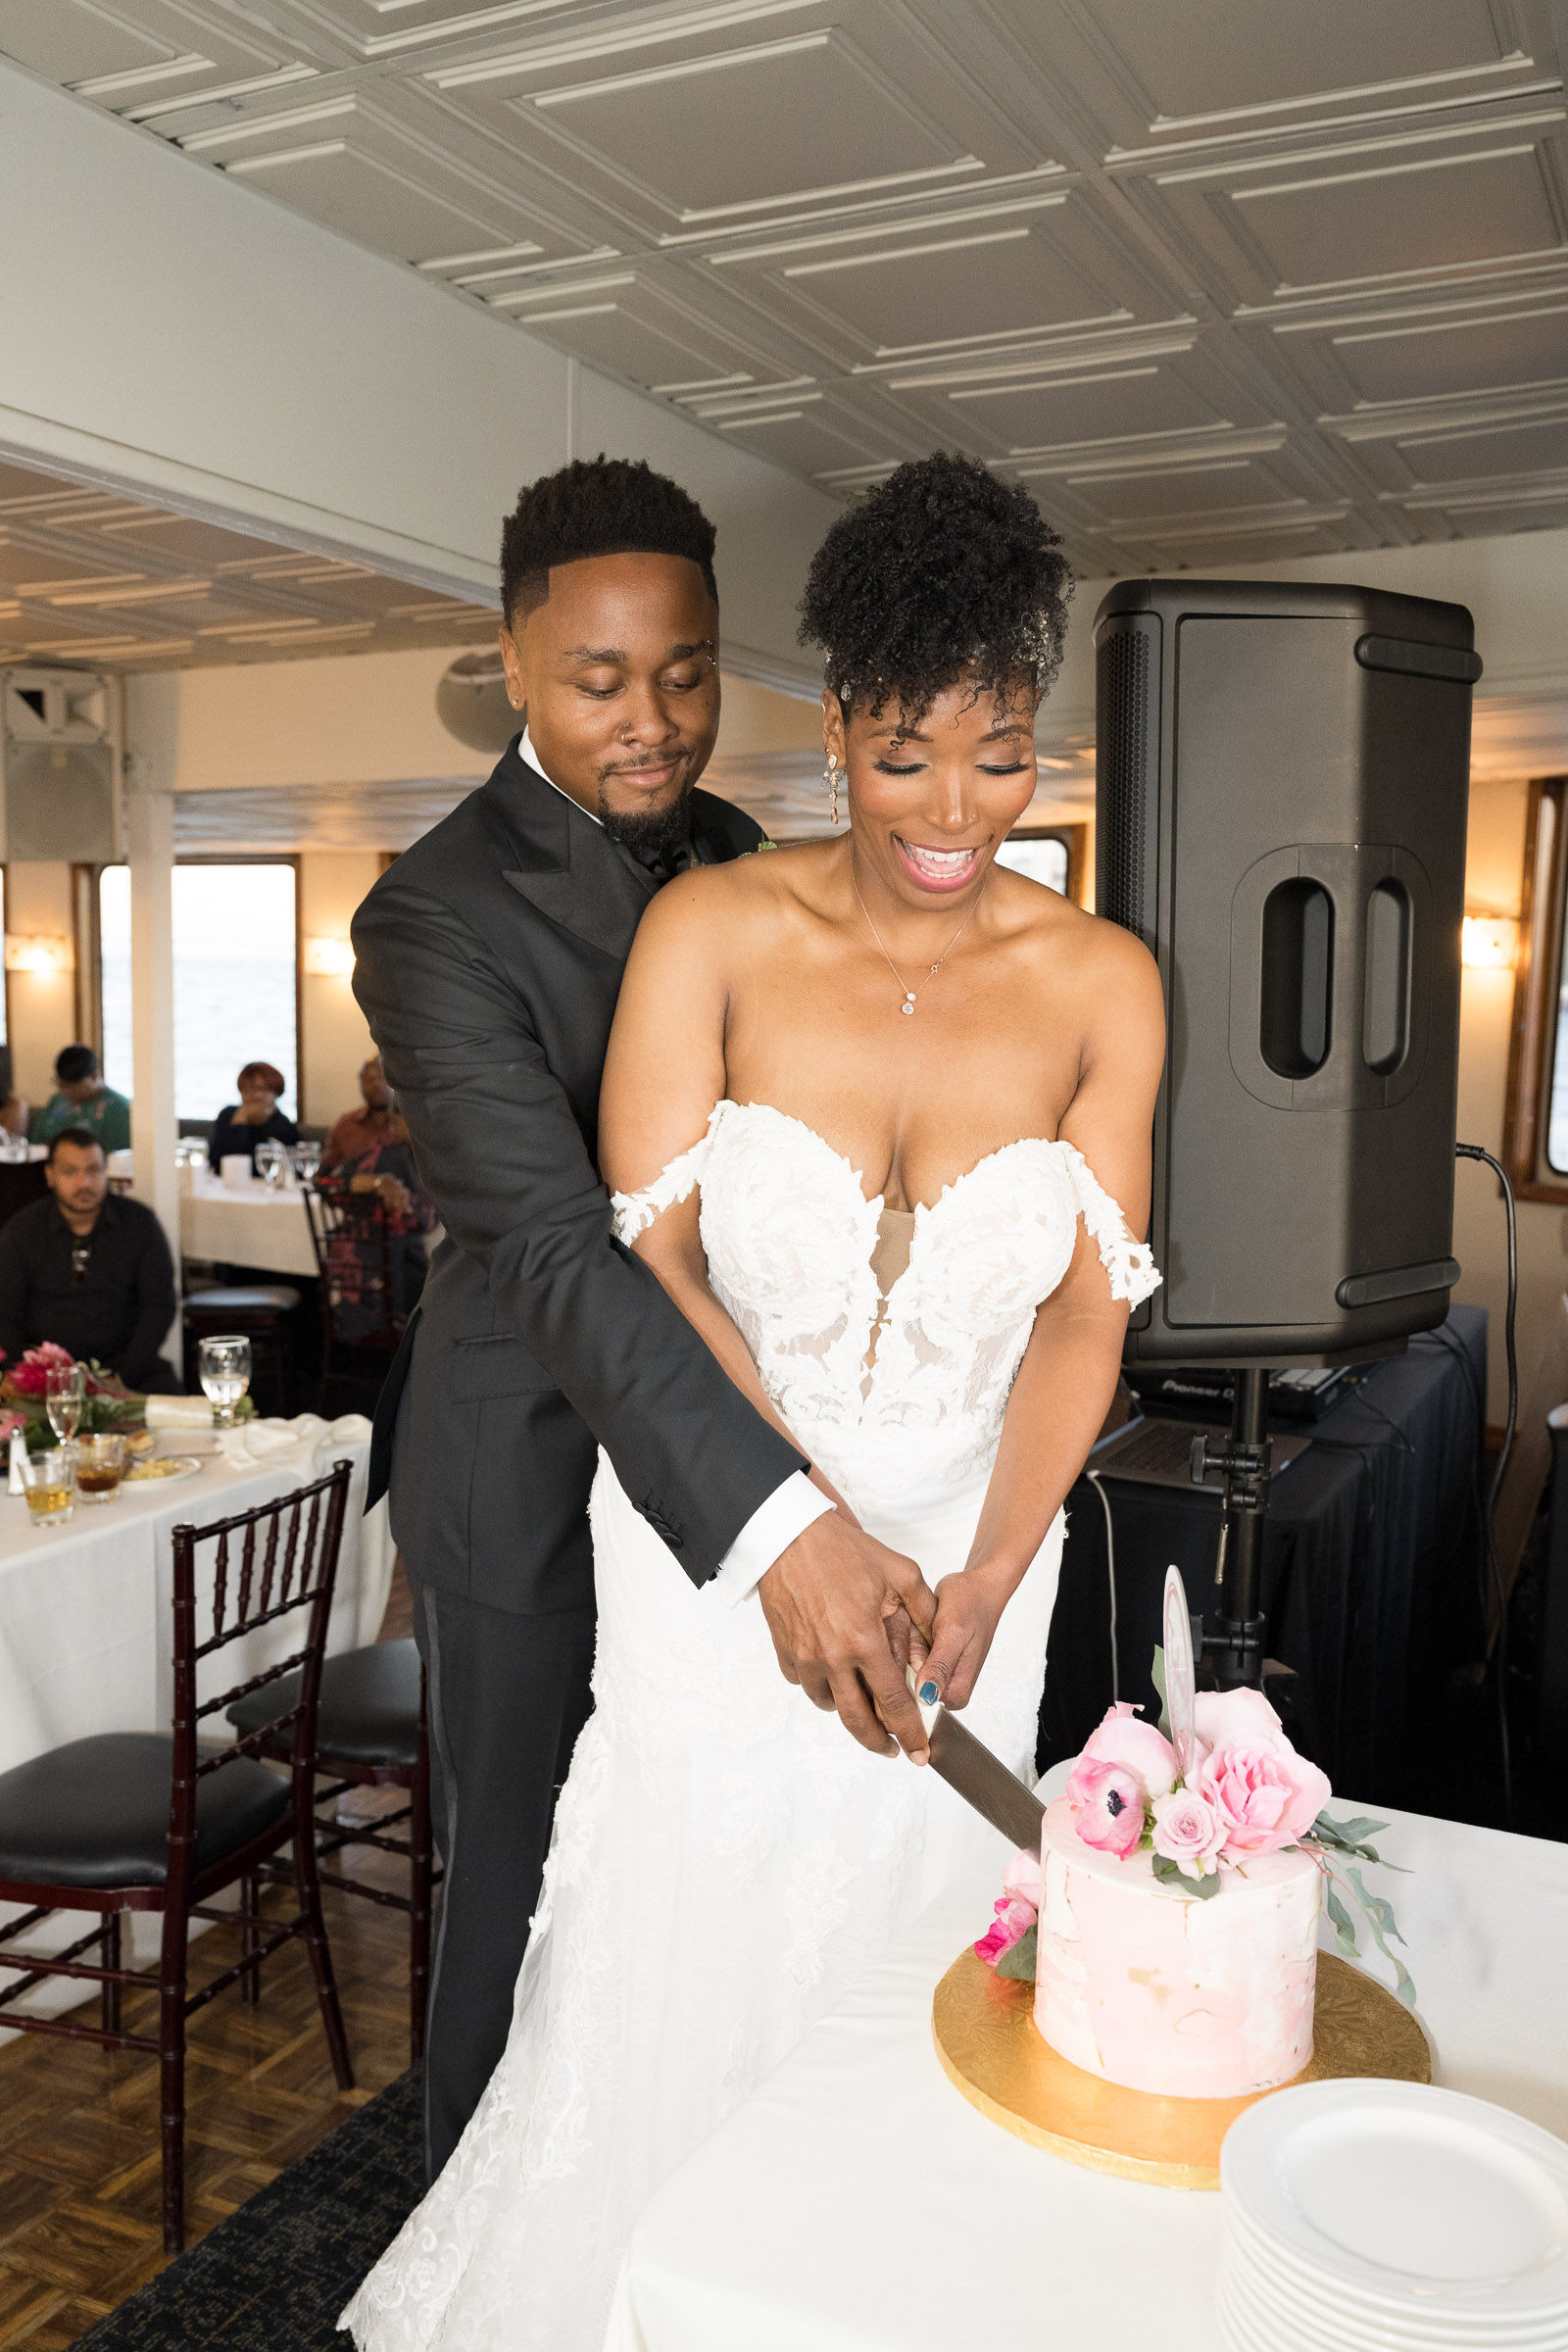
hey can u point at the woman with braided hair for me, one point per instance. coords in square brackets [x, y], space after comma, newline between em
[878, 1113]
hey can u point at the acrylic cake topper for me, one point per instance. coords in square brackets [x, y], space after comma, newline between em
[1181, 1680]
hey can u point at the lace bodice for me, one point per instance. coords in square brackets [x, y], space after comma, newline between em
[790, 1237]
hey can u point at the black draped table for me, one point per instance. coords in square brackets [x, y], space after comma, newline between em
[1369, 1568]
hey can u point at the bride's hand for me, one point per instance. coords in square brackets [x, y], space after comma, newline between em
[969, 1609]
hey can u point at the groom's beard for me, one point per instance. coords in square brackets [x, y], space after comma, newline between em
[655, 837]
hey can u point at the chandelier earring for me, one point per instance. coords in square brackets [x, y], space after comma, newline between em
[830, 777]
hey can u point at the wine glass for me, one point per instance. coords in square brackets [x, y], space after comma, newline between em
[224, 1367]
[64, 1393]
[270, 1161]
[307, 1158]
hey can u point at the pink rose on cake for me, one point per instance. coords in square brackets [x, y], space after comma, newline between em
[1266, 1794]
[1187, 1831]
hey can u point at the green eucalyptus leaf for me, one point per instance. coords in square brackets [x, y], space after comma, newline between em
[1018, 1960]
[1171, 1874]
[1380, 1919]
[1344, 1924]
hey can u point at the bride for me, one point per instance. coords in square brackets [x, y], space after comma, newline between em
[878, 1111]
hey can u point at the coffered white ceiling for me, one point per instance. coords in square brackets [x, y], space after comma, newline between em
[1223, 280]
[86, 576]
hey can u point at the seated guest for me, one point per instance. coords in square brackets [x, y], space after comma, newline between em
[359, 1131]
[88, 1270]
[13, 1107]
[240, 1126]
[81, 1100]
[380, 1186]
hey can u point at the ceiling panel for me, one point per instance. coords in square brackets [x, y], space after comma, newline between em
[1390, 219]
[85, 577]
[146, 46]
[1230, 58]
[1305, 267]
[1427, 359]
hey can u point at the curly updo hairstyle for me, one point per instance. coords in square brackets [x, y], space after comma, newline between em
[941, 572]
[598, 507]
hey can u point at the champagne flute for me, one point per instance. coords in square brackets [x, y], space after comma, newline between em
[224, 1364]
[64, 1393]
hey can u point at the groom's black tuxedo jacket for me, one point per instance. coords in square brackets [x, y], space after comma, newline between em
[488, 959]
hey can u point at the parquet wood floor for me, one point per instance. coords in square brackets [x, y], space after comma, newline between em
[79, 2181]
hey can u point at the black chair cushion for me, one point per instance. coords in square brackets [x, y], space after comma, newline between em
[255, 1299]
[370, 1707]
[95, 1813]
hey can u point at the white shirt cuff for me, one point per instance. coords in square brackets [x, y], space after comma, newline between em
[768, 1534]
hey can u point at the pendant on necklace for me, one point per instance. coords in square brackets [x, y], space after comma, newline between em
[909, 1001]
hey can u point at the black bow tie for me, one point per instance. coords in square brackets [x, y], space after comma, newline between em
[665, 864]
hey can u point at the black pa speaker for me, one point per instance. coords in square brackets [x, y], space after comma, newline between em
[1283, 787]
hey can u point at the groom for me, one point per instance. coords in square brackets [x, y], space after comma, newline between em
[488, 961]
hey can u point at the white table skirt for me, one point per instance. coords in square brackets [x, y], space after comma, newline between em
[87, 1621]
[253, 1227]
[857, 2203]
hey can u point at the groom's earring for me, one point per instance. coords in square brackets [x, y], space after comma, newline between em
[830, 777]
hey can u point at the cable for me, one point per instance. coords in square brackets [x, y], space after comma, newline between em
[1475, 1152]
[1093, 1477]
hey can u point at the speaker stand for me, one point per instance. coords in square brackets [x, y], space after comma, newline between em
[1235, 1648]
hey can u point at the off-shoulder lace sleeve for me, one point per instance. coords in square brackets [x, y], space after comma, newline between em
[1129, 1263]
[634, 1213]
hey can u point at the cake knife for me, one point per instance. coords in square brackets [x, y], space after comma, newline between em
[981, 1779]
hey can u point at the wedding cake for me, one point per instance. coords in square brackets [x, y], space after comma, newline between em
[1170, 1919]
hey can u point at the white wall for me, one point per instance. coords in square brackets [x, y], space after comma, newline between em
[335, 1039]
[177, 334]
[42, 1005]
[1516, 588]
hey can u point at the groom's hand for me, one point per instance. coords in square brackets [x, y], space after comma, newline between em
[838, 1604]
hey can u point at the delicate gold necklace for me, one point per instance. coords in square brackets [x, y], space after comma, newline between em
[908, 992]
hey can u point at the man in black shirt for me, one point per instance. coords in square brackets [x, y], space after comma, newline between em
[89, 1271]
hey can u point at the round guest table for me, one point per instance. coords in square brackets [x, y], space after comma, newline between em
[248, 1225]
[857, 2203]
[86, 1617]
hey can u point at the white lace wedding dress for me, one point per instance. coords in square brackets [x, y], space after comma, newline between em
[726, 1860]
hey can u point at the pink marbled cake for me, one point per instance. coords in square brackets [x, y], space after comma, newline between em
[1192, 1998]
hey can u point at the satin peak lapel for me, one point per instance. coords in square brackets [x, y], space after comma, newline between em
[598, 893]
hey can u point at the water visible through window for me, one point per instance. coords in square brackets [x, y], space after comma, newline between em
[234, 980]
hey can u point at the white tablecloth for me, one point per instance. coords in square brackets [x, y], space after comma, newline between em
[87, 1621]
[254, 1227]
[857, 2203]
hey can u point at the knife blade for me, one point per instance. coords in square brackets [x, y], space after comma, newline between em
[981, 1779]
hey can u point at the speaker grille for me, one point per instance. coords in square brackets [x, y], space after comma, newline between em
[1124, 775]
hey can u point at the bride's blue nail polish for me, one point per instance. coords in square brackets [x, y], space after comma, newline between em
[929, 1694]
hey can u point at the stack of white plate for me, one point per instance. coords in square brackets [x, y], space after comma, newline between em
[1391, 2216]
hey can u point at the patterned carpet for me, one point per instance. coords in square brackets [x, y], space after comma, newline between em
[273, 2277]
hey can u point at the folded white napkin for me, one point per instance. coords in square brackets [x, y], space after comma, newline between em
[179, 1412]
[255, 1442]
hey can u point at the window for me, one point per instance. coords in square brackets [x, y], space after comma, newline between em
[1053, 856]
[1535, 1138]
[235, 984]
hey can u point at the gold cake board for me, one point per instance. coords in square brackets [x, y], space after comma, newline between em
[990, 2050]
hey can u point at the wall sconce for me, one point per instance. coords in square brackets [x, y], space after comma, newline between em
[1491, 943]
[40, 951]
[328, 959]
